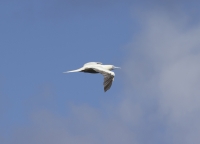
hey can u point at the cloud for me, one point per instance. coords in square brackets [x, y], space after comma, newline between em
[164, 73]
[85, 125]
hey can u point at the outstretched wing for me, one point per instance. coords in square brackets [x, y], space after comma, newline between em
[108, 77]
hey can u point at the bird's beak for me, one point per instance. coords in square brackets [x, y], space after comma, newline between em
[117, 67]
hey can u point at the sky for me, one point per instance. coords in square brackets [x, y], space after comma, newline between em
[154, 98]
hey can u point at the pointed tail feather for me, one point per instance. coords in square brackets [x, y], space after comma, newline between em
[78, 70]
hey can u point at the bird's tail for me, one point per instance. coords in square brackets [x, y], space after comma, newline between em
[78, 70]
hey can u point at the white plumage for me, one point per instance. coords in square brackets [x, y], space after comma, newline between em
[97, 67]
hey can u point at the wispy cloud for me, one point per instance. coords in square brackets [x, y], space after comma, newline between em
[164, 73]
[85, 125]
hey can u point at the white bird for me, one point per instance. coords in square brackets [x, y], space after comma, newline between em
[97, 67]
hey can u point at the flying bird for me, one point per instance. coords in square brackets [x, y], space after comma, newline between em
[98, 67]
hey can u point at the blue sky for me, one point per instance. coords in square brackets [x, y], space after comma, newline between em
[154, 98]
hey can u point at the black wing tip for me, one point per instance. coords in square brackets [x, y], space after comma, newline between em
[106, 88]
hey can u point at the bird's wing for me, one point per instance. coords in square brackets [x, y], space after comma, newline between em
[93, 63]
[108, 77]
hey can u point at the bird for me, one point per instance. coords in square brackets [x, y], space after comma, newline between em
[98, 67]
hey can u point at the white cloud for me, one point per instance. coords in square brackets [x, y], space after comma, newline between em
[164, 72]
[85, 125]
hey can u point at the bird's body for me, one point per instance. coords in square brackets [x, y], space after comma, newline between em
[97, 67]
